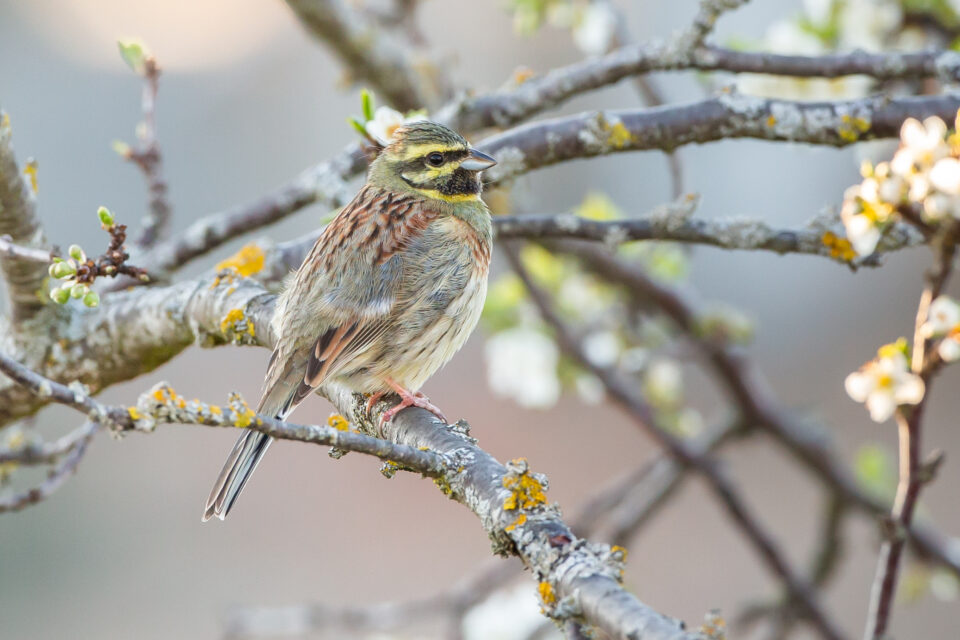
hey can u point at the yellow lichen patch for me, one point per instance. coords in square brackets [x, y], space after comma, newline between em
[30, 170]
[714, 626]
[771, 121]
[215, 410]
[236, 322]
[246, 262]
[618, 136]
[851, 128]
[526, 492]
[338, 422]
[840, 248]
[547, 595]
[243, 415]
[617, 549]
[134, 414]
[520, 521]
[522, 74]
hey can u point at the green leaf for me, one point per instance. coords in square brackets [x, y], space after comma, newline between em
[134, 53]
[106, 218]
[356, 124]
[366, 100]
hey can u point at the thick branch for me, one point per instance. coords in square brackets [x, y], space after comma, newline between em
[583, 578]
[19, 221]
[541, 144]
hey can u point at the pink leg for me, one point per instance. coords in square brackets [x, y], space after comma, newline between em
[372, 400]
[408, 399]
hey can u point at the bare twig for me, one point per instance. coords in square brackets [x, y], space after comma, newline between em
[57, 476]
[19, 221]
[909, 427]
[626, 397]
[148, 157]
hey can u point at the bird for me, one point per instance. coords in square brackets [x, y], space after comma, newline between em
[389, 292]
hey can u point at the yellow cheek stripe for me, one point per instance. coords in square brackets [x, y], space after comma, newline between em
[420, 150]
[457, 197]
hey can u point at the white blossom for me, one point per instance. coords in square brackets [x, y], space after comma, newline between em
[663, 382]
[522, 365]
[943, 319]
[863, 234]
[885, 383]
[509, 614]
[385, 123]
[594, 31]
[602, 348]
[945, 176]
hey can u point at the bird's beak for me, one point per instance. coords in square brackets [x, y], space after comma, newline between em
[477, 161]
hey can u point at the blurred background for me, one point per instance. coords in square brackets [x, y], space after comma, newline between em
[247, 100]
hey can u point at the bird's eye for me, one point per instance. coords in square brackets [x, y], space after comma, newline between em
[435, 159]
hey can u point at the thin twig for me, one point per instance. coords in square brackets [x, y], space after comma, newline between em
[57, 476]
[909, 427]
[148, 157]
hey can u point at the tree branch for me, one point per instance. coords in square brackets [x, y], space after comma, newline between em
[579, 580]
[909, 428]
[19, 221]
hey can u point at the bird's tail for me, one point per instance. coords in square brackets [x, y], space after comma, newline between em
[236, 471]
[245, 456]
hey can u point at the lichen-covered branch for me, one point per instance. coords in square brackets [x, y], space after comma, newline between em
[397, 71]
[19, 220]
[578, 580]
[14, 251]
[673, 222]
[728, 116]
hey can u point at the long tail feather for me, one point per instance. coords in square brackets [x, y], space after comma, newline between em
[236, 471]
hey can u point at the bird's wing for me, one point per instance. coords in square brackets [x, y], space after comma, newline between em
[347, 286]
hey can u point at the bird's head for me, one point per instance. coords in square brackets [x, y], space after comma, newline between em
[434, 161]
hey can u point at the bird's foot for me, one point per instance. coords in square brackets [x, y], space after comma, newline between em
[372, 400]
[409, 399]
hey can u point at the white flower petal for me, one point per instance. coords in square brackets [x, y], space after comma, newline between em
[909, 389]
[594, 32]
[943, 316]
[949, 349]
[522, 365]
[859, 385]
[862, 233]
[945, 176]
[881, 406]
[919, 188]
[891, 189]
[902, 163]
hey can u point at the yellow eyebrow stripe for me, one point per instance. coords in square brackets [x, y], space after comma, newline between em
[420, 150]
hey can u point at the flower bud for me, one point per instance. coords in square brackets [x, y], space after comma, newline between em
[62, 270]
[60, 295]
[78, 290]
[92, 299]
[106, 218]
[76, 253]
